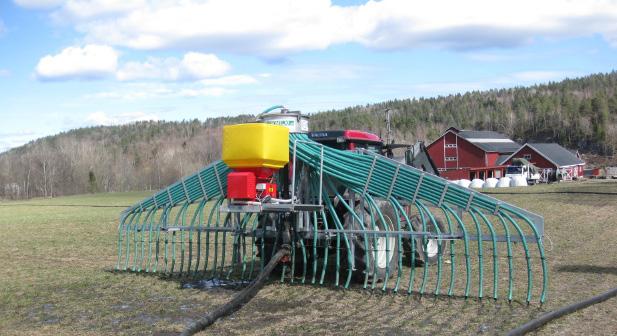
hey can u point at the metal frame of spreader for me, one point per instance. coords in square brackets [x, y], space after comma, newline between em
[190, 230]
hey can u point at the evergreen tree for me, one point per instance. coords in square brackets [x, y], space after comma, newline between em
[92, 185]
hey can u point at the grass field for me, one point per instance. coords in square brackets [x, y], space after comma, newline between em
[58, 255]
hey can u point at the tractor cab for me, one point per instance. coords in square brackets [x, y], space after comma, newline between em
[349, 140]
[416, 155]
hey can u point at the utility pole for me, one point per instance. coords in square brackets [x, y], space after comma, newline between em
[388, 128]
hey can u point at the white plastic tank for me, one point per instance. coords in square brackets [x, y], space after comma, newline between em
[476, 183]
[504, 182]
[464, 183]
[490, 182]
[518, 181]
[294, 120]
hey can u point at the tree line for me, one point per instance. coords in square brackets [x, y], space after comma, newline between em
[577, 113]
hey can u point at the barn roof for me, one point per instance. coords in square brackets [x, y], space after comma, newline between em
[556, 154]
[502, 159]
[481, 134]
[490, 141]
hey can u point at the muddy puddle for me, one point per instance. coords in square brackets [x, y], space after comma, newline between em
[215, 283]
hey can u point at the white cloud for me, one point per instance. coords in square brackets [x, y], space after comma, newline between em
[94, 9]
[90, 62]
[192, 66]
[4, 73]
[216, 87]
[100, 61]
[198, 65]
[275, 27]
[102, 118]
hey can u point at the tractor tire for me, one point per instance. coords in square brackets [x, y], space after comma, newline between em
[380, 260]
[426, 250]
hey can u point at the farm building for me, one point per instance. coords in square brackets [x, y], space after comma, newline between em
[463, 154]
[552, 160]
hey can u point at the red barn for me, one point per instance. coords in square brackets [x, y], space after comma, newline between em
[552, 159]
[462, 154]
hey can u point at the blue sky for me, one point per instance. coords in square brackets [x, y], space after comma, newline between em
[74, 63]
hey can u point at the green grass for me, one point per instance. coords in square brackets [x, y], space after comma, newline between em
[58, 255]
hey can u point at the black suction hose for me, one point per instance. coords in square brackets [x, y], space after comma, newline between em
[239, 299]
[545, 318]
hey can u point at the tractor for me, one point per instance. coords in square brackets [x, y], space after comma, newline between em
[364, 263]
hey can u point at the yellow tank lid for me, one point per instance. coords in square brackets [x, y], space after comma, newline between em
[255, 145]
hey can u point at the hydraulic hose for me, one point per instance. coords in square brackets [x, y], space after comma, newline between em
[272, 108]
[545, 318]
[239, 300]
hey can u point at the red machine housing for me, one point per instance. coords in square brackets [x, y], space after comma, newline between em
[241, 185]
[251, 183]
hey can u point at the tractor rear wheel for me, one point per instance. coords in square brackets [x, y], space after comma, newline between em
[426, 249]
[376, 254]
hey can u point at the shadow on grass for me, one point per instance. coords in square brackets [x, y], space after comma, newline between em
[588, 269]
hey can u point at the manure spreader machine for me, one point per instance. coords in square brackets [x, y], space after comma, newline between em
[347, 215]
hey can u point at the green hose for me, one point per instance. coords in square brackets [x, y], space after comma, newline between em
[374, 174]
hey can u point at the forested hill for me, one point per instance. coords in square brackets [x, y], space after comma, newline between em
[577, 113]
